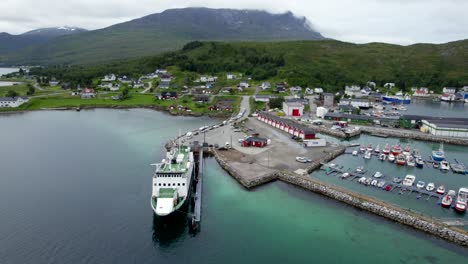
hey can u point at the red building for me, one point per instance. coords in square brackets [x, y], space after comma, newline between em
[255, 142]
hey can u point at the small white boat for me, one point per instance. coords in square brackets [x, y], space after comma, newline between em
[430, 187]
[419, 162]
[360, 169]
[386, 149]
[462, 199]
[369, 147]
[362, 148]
[368, 155]
[441, 189]
[382, 157]
[374, 182]
[381, 184]
[368, 181]
[446, 201]
[444, 166]
[355, 153]
[378, 174]
[345, 175]
[420, 184]
[391, 157]
[435, 165]
[377, 149]
[410, 161]
[409, 180]
[362, 180]
[397, 180]
[303, 160]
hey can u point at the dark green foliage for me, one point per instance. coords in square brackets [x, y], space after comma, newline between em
[125, 94]
[329, 64]
[11, 93]
[276, 102]
[31, 89]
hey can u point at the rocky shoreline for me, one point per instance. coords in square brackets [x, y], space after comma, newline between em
[363, 202]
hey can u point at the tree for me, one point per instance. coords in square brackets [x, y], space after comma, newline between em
[11, 93]
[276, 102]
[125, 93]
[31, 89]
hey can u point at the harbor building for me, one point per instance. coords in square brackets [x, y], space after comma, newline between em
[328, 99]
[287, 125]
[446, 128]
[293, 109]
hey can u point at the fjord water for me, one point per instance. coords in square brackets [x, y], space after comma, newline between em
[75, 188]
[7, 70]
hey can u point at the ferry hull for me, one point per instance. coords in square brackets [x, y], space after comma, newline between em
[396, 100]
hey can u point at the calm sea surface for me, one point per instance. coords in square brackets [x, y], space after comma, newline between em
[7, 70]
[75, 188]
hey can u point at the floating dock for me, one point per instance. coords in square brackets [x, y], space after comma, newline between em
[197, 186]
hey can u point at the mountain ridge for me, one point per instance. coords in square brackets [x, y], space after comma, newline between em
[165, 31]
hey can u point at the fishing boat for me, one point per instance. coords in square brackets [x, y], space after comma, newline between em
[381, 184]
[420, 184]
[368, 181]
[401, 108]
[397, 180]
[386, 149]
[396, 99]
[441, 189]
[345, 175]
[396, 150]
[362, 180]
[409, 180]
[430, 187]
[460, 204]
[362, 148]
[171, 181]
[367, 155]
[444, 166]
[355, 153]
[360, 169]
[439, 155]
[401, 160]
[446, 97]
[419, 162]
[435, 165]
[377, 149]
[369, 147]
[382, 157]
[410, 161]
[407, 150]
[378, 174]
[374, 182]
[391, 157]
[446, 201]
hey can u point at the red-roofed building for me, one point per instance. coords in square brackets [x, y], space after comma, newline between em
[88, 93]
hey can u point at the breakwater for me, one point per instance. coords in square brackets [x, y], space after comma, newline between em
[401, 133]
[363, 202]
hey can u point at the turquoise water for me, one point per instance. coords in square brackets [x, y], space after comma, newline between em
[75, 188]
[427, 174]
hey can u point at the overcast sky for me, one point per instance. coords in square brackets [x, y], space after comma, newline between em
[360, 21]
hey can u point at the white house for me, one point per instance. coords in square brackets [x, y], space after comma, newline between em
[449, 90]
[166, 78]
[295, 89]
[244, 84]
[318, 90]
[352, 90]
[321, 111]
[54, 83]
[125, 79]
[109, 78]
[87, 93]
[293, 109]
[263, 98]
[371, 84]
[160, 71]
[208, 78]
[358, 103]
[265, 85]
[231, 76]
[421, 92]
[389, 85]
[12, 101]
[309, 90]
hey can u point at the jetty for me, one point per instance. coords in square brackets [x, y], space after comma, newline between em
[197, 184]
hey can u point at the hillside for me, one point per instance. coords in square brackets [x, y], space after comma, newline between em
[10, 43]
[326, 63]
[165, 31]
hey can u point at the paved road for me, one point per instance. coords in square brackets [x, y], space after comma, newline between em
[37, 86]
[147, 89]
[245, 104]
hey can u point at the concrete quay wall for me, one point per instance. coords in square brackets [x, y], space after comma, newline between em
[380, 208]
[401, 133]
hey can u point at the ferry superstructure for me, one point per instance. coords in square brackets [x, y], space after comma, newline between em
[171, 181]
